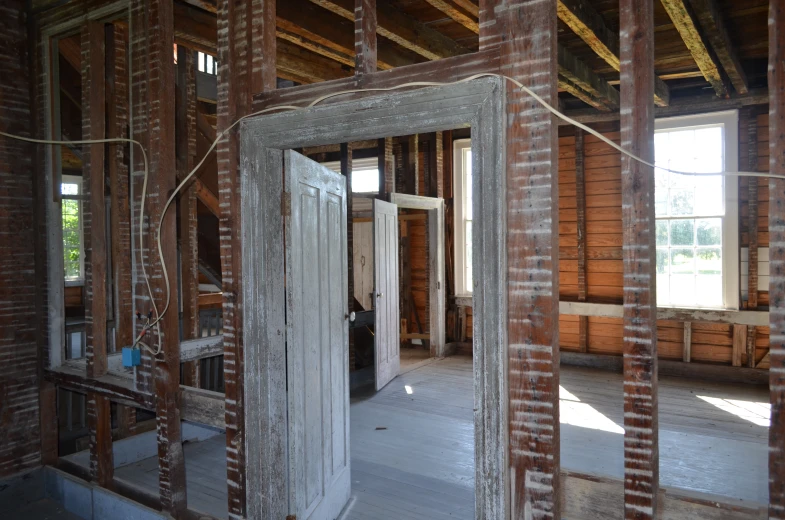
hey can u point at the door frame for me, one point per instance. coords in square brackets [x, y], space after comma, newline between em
[437, 311]
[479, 105]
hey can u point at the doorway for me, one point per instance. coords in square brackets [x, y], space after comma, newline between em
[265, 204]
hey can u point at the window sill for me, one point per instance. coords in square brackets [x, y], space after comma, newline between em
[74, 283]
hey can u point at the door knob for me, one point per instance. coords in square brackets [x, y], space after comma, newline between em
[379, 295]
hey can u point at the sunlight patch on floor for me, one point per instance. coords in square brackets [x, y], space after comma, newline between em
[754, 412]
[572, 411]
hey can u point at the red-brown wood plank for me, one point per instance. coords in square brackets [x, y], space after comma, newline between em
[386, 167]
[777, 259]
[364, 36]
[99, 424]
[526, 32]
[246, 52]
[641, 450]
[752, 208]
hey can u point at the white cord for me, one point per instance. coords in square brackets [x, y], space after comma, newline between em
[223, 133]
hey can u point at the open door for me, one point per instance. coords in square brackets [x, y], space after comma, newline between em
[387, 323]
[317, 339]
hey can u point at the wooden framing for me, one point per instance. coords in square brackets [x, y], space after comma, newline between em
[437, 310]
[365, 36]
[580, 212]
[641, 438]
[777, 260]
[477, 104]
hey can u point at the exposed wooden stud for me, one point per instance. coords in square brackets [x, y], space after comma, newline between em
[346, 171]
[752, 336]
[364, 37]
[689, 30]
[739, 344]
[641, 442]
[713, 26]
[687, 351]
[526, 33]
[401, 29]
[412, 166]
[386, 167]
[580, 204]
[126, 421]
[99, 423]
[777, 259]
[436, 165]
[752, 208]
[93, 127]
[407, 306]
[586, 22]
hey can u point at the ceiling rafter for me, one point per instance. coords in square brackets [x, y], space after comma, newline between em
[589, 25]
[682, 18]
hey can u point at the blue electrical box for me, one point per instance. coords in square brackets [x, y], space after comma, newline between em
[132, 357]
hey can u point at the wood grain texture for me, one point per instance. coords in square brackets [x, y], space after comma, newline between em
[99, 423]
[777, 260]
[641, 443]
[752, 211]
[365, 36]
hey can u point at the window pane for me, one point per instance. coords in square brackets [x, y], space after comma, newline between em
[662, 260]
[661, 202]
[365, 181]
[69, 188]
[682, 289]
[662, 232]
[708, 289]
[709, 260]
[709, 232]
[682, 202]
[467, 158]
[72, 240]
[682, 232]
[709, 150]
[469, 280]
[663, 288]
[708, 196]
[682, 261]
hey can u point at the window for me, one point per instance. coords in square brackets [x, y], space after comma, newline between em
[697, 217]
[206, 63]
[462, 152]
[73, 243]
[365, 174]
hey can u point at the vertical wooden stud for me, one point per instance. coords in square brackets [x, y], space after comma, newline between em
[246, 54]
[752, 206]
[411, 156]
[365, 36]
[752, 335]
[436, 165]
[687, 352]
[580, 201]
[99, 424]
[386, 168]
[739, 344]
[641, 448]
[777, 259]
[346, 171]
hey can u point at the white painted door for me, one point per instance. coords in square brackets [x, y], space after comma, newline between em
[317, 339]
[387, 323]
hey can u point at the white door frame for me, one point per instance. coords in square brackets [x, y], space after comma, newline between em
[479, 105]
[435, 208]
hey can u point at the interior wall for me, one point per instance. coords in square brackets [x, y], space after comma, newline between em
[19, 403]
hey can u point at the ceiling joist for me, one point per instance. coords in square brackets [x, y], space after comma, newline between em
[690, 33]
[587, 23]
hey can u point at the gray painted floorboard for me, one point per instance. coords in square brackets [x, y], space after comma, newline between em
[412, 453]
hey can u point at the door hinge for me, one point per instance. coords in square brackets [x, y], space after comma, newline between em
[286, 204]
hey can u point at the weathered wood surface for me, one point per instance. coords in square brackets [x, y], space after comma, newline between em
[365, 36]
[687, 352]
[777, 259]
[203, 407]
[387, 338]
[99, 423]
[641, 441]
[479, 105]
[316, 339]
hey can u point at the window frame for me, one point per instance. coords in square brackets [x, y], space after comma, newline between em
[79, 198]
[729, 121]
[461, 211]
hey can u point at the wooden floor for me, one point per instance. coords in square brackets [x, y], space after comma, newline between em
[412, 443]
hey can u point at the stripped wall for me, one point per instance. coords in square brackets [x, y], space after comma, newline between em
[19, 379]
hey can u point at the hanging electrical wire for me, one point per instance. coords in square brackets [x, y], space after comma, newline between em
[155, 322]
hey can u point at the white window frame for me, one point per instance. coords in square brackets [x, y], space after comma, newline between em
[460, 146]
[75, 179]
[729, 120]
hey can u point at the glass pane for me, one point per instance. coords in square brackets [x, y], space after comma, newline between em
[662, 260]
[682, 232]
[663, 288]
[682, 261]
[72, 240]
[662, 232]
[661, 176]
[661, 202]
[209, 68]
[709, 260]
[708, 196]
[709, 150]
[708, 290]
[365, 181]
[69, 188]
[467, 157]
[682, 289]
[661, 148]
[709, 232]
[682, 202]
[469, 281]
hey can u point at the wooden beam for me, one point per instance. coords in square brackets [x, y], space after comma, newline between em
[776, 354]
[641, 439]
[687, 351]
[586, 22]
[752, 336]
[525, 33]
[411, 163]
[401, 29]
[713, 26]
[307, 65]
[739, 344]
[247, 30]
[689, 30]
[752, 208]
[93, 127]
[451, 10]
[365, 36]
[436, 165]
[386, 167]
[99, 423]
[580, 200]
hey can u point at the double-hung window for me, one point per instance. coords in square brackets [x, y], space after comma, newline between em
[73, 239]
[462, 187]
[697, 216]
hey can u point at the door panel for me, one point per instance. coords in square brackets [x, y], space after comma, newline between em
[387, 326]
[317, 339]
